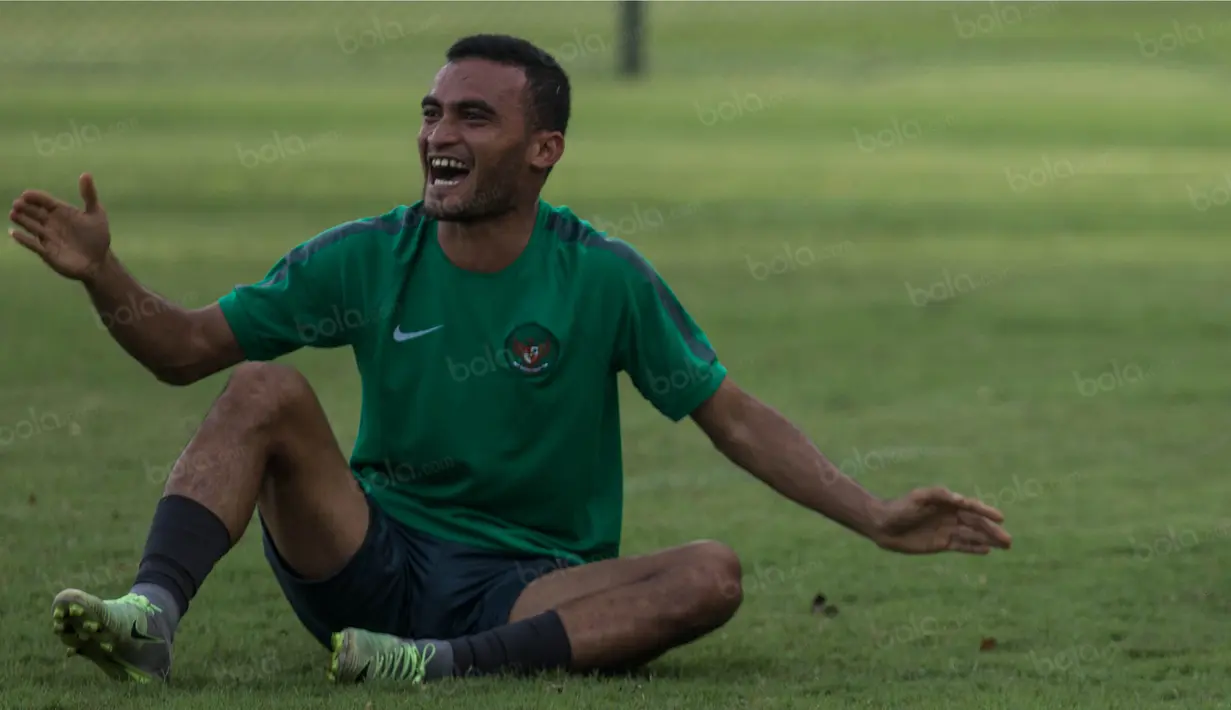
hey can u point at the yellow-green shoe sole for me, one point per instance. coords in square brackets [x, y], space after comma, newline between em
[335, 654]
[80, 620]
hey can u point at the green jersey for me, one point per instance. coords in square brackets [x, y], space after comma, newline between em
[490, 413]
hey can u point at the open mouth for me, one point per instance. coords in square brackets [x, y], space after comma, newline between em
[446, 172]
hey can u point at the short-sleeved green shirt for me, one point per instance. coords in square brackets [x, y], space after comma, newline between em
[490, 413]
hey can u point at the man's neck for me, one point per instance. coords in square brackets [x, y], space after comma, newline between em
[488, 246]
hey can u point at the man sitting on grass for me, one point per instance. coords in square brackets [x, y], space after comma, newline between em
[476, 527]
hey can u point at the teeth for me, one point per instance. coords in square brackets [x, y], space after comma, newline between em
[444, 183]
[448, 163]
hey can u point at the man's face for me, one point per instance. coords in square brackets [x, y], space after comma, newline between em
[475, 145]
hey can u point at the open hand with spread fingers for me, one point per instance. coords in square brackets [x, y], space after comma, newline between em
[930, 520]
[73, 241]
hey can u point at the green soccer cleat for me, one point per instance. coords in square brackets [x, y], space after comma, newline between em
[116, 634]
[360, 656]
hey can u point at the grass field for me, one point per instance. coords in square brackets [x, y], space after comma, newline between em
[972, 244]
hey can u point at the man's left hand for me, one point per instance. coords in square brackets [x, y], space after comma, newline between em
[930, 520]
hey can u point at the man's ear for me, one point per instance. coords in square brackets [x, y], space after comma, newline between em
[546, 149]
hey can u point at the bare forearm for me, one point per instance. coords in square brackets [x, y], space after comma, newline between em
[154, 331]
[768, 446]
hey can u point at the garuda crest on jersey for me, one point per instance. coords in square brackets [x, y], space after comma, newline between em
[532, 349]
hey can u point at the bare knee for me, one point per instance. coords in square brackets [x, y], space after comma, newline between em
[713, 574]
[262, 393]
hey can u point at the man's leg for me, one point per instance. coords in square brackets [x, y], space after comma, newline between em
[267, 440]
[626, 612]
[609, 615]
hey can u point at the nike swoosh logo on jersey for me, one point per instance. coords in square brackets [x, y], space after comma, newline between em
[401, 337]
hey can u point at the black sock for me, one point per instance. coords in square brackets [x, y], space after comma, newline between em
[186, 540]
[535, 644]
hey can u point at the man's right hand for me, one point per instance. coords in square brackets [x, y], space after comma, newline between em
[74, 242]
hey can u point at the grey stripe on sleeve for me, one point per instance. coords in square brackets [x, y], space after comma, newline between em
[574, 231]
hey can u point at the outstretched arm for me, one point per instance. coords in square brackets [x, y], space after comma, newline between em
[761, 441]
[179, 346]
[300, 303]
[673, 365]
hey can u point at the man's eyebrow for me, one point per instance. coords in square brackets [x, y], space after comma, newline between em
[475, 104]
[462, 105]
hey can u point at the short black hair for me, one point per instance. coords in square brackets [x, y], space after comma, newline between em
[545, 79]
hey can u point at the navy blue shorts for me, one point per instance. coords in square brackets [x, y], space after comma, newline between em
[410, 584]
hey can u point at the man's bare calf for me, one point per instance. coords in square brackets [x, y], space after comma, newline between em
[626, 612]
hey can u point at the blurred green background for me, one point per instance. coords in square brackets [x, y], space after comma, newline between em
[976, 244]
